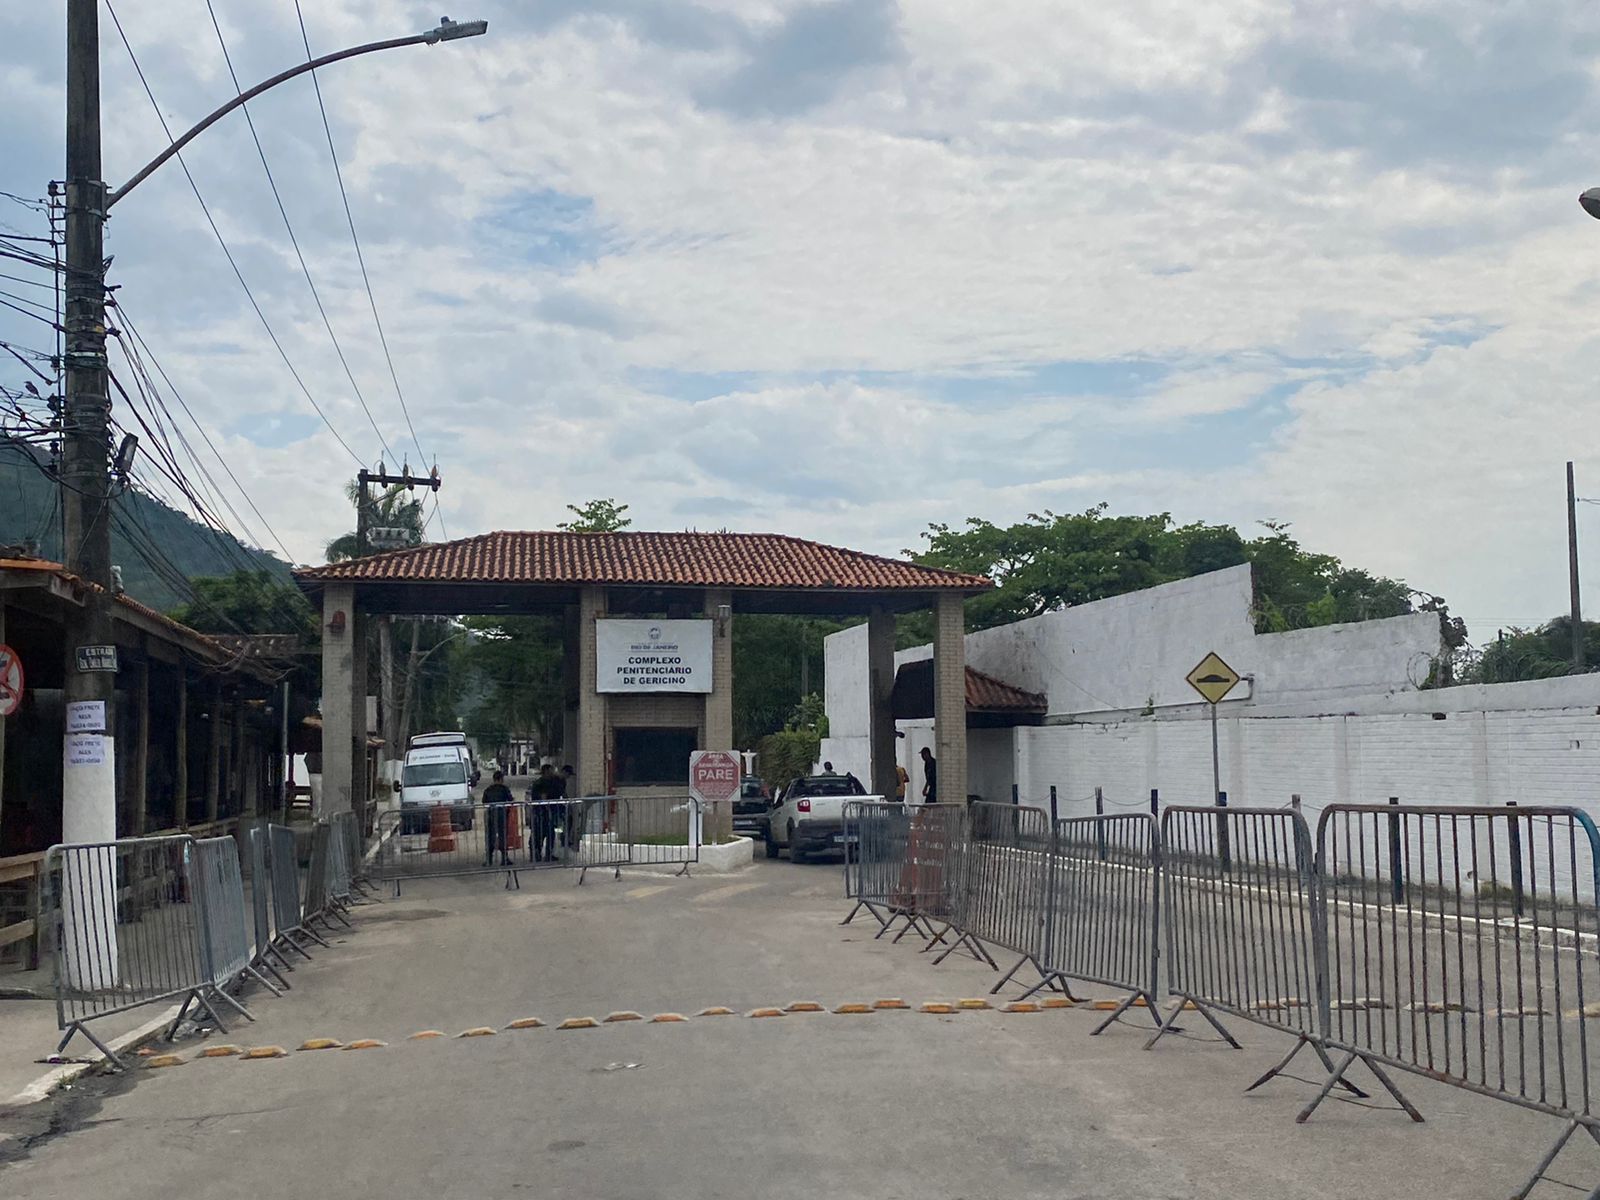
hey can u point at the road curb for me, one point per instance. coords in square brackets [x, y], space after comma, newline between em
[56, 1078]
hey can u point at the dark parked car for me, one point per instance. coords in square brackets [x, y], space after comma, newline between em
[750, 807]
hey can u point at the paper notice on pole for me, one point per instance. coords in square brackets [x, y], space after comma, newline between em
[86, 750]
[86, 716]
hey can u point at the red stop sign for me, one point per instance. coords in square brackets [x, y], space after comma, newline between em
[714, 774]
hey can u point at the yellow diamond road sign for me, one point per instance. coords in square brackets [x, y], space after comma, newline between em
[1213, 678]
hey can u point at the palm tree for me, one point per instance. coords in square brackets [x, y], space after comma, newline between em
[395, 507]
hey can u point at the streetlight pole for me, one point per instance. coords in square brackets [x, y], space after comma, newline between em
[88, 806]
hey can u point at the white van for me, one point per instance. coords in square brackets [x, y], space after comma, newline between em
[434, 776]
[449, 738]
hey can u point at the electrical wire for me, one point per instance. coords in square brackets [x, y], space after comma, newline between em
[293, 240]
[144, 347]
[221, 241]
[350, 220]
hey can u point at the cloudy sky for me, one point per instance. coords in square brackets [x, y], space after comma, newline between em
[840, 269]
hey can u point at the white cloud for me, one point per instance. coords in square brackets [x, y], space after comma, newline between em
[815, 267]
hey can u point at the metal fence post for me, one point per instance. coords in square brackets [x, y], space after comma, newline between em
[1397, 870]
[1155, 802]
[1516, 860]
[1224, 849]
[1100, 824]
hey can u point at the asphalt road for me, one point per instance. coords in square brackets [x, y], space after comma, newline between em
[883, 1105]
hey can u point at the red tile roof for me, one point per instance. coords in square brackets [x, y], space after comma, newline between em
[995, 695]
[731, 560]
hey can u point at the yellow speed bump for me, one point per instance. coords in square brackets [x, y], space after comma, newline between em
[937, 1006]
[667, 1018]
[716, 1010]
[365, 1044]
[971, 1005]
[797, 1006]
[579, 1023]
[1021, 1006]
[853, 1008]
[526, 1023]
[476, 1031]
[164, 1060]
[766, 1012]
[625, 1015]
[895, 1002]
[222, 1052]
[265, 1052]
[321, 1044]
[423, 1035]
[1057, 1002]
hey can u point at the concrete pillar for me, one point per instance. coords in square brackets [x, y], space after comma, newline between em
[571, 684]
[360, 768]
[880, 709]
[950, 696]
[591, 764]
[339, 719]
[719, 702]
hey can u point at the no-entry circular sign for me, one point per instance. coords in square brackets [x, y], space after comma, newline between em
[11, 681]
[713, 775]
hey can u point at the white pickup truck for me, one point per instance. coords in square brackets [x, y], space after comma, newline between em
[808, 815]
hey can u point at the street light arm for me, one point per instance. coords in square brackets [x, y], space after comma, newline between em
[447, 31]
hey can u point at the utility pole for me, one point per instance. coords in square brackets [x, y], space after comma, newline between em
[89, 806]
[1572, 573]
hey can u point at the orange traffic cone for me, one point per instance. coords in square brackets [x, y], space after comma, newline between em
[441, 835]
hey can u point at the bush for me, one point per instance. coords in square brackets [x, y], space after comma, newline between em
[788, 755]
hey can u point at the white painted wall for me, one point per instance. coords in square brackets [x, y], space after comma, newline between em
[1334, 713]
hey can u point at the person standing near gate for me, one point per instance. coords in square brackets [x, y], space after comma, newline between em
[930, 775]
[575, 812]
[546, 789]
[901, 778]
[496, 796]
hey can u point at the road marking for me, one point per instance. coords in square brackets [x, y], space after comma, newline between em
[639, 893]
[722, 893]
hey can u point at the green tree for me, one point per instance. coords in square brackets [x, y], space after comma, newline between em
[1053, 560]
[513, 666]
[394, 507]
[1540, 653]
[247, 602]
[597, 516]
[777, 660]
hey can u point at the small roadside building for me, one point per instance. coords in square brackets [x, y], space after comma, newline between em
[198, 722]
[648, 645]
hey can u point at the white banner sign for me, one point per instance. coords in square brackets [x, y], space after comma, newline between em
[653, 656]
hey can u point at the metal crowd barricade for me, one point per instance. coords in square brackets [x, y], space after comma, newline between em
[1102, 922]
[654, 831]
[580, 832]
[1461, 945]
[997, 869]
[1241, 912]
[320, 904]
[128, 927]
[876, 833]
[266, 956]
[224, 933]
[340, 887]
[923, 893]
[291, 932]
